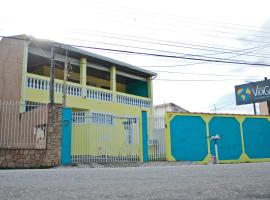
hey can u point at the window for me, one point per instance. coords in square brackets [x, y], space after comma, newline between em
[93, 118]
[79, 117]
[102, 118]
[129, 126]
[29, 105]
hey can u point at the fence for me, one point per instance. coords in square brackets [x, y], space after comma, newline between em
[22, 130]
[156, 141]
[101, 137]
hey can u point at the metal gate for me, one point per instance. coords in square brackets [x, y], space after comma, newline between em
[102, 137]
[156, 141]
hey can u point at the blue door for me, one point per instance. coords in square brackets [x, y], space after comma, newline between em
[66, 136]
[144, 136]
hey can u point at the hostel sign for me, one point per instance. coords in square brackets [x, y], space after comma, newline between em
[252, 92]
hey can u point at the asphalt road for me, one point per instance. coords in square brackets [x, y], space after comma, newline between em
[235, 181]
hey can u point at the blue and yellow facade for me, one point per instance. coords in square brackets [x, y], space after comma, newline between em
[95, 83]
[243, 138]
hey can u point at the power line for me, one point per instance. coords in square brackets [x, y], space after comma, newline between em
[201, 80]
[171, 52]
[202, 34]
[216, 52]
[172, 56]
[203, 74]
[173, 16]
[208, 48]
[174, 31]
[163, 55]
[160, 41]
[240, 54]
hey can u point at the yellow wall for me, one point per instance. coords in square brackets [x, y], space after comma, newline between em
[92, 105]
[79, 103]
[89, 139]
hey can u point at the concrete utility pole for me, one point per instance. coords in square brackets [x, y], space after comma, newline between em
[254, 108]
[268, 102]
[65, 83]
[52, 76]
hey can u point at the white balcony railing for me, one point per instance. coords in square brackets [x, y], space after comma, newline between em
[133, 101]
[101, 95]
[43, 83]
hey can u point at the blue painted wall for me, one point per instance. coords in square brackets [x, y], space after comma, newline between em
[256, 133]
[144, 136]
[66, 136]
[139, 88]
[230, 144]
[188, 138]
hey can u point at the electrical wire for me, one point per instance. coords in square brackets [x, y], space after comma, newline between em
[162, 55]
[201, 80]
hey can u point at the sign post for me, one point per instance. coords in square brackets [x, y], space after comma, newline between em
[254, 108]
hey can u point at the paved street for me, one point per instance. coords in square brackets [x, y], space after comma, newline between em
[236, 181]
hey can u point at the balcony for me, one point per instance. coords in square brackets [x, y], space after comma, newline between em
[42, 83]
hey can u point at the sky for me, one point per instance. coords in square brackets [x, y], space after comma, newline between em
[228, 30]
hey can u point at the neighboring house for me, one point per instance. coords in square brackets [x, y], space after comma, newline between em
[160, 110]
[157, 136]
[99, 89]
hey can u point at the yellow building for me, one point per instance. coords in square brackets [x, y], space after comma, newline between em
[107, 96]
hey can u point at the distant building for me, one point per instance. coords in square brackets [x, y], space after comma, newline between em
[160, 110]
[264, 108]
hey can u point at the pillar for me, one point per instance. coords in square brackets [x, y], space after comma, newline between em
[113, 81]
[83, 73]
[149, 87]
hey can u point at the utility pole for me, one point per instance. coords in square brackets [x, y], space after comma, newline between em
[65, 83]
[52, 77]
[267, 102]
[254, 108]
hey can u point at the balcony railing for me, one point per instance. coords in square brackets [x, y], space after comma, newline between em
[43, 83]
[130, 100]
[102, 95]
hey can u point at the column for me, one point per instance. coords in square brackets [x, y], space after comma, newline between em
[149, 87]
[83, 72]
[113, 81]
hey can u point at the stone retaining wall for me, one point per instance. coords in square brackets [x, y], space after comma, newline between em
[35, 158]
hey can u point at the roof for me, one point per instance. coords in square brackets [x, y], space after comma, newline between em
[169, 104]
[78, 52]
[221, 114]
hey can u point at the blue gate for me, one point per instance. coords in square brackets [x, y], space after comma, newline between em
[66, 136]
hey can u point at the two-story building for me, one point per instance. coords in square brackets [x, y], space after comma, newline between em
[100, 90]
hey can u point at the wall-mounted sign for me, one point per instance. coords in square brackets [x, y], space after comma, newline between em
[252, 92]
